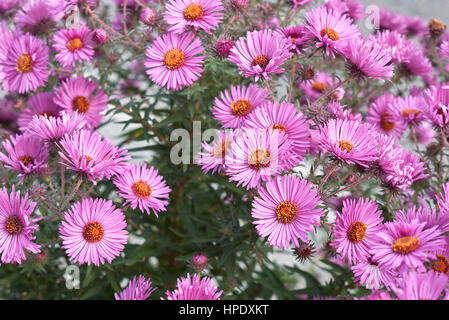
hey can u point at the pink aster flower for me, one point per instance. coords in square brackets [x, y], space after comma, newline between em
[256, 155]
[418, 64]
[298, 36]
[404, 245]
[142, 187]
[82, 96]
[384, 117]
[443, 199]
[369, 274]
[389, 20]
[422, 286]
[198, 14]
[25, 66]
[214, 155]
[394, 43]
[261, 53]
[136, 290]
[73, 45]
[86, 153]
[6, 5]
[367, 59]
[285, 210]
[411, 108]
[40, 104]
[25, 154]
[234, 107]
[52, 129]
[356, 228]
[16, 232]
[300, 3]
[339, 111]
[437, 100]
[377, 295]
[284, 117]
[330, 28]
[424, 214]
[349, 141]
[194, 288]
[425, 133]
[322, 82]
[93, 231]
[416, 26]
[173, 60]
[38, 17]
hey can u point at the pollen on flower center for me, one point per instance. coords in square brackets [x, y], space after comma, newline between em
[46, 114]
[280, 127]
[174, 59]
[93, 232]
[27, 160]
[320, 86]
[345, 145]
[356, 231]
[25, 63]
[220, 149]
[407, 112]
[261, 61]
[241, 107]
[330, 33]
[386, 122]
[75, 44]
[13, 225]
[441, 265]
[141, 189]
[80, 104]
[259, 158]
[286, 212]
[193, 12]
[405, 245]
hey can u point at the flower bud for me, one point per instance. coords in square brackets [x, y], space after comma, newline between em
[199, 262]
[223, 47]
[148, 16]
[100, 36]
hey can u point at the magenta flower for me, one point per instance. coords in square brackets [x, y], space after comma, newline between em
[384, 117]
[86, 153]
[286, 118]
[443, 199]
[394, 43]
[142, 187]
[194, 288]
[173, 60]
[82, 96]
[41, 104]
[427, 215]
[38, 17]
[261, 53]
[234, 107]
[16, 231]
[356, 228]
[286, 210]
[349, 141]
[93, 231]
[404, 245]
[391, 21]
[25, 66]
[367, 59]
[52, 129]
[411, 108]
[73, 45]
[214, 155]
[418, 64]
[298, 36]
[339, 111]
[422, 286]
[198, 14]
[437, 100]
[330, 28]
[136, 290]
[372, 276]
[25, 154]
[322, 82]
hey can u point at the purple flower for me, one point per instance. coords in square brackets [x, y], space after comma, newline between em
[214, 155]
[422, 286]
[41, 104]
[194, 288]
[437, 100]
[384, 117]
[136, 290]
[73, 45]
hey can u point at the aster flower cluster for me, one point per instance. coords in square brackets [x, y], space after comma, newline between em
[300, 134]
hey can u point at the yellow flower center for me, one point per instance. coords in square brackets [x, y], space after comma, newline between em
[25, 63]
[441, 265]
[193, 12]
[80, 104]
[26, 160]
[262, 61]
[386, 122]
[330, 33]
[407, 112]
[220, 149]
[174, 59]
[405, 245]
[286, 212]
[93, 232]
[13, 225]
[241, 107]
[75, 44]
[320, 86]
[280, 127]
[345, 145]
[356, 231]
[141, 189]
[259, 158]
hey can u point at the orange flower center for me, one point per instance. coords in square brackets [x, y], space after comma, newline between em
[407, 112]
[330, 33]
[174, 59]
[46, 114]
[259, 158]
[75, 44]
[280, 127]
[193, 12]
[345, 145]
[320, 86]
[26, 160]
[405, 245]
[441, 265]
[262, 61]
[356, 231]
[80, 104]
[13, 225]
[386, 122]
[241, 107]
[25, 63]
[141, 189]
[286, 212]
[220, 148]
[93, 232]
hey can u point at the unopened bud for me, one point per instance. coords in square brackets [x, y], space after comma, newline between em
[148, 16]
[100, 36]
